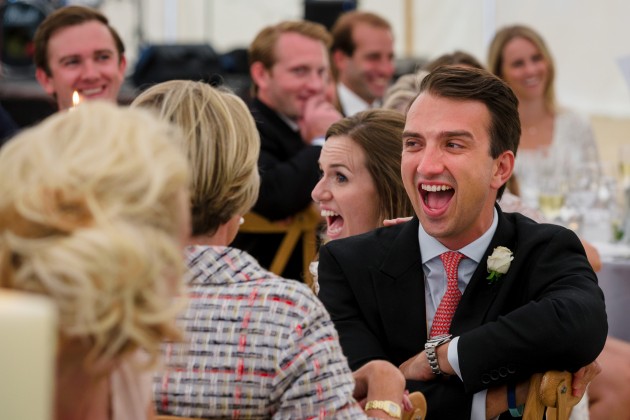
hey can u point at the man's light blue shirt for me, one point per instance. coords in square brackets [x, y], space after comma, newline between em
[435, 287]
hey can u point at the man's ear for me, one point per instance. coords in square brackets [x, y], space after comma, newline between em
[339, 60]
[122, 66]
[45, 81]
[259, 74]
[503, 168]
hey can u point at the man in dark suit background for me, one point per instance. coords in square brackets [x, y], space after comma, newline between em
[539, 309]
[290, 68]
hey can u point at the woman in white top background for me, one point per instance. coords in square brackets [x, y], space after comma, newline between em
[557, 147]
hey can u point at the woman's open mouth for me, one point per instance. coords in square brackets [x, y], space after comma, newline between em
[334, 221]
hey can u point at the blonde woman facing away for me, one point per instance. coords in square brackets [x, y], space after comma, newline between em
[93, 212]
[258, 345]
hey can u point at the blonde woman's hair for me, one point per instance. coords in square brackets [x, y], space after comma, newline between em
[222, 144]
[401, 94]
[497, 47]
[89, 216]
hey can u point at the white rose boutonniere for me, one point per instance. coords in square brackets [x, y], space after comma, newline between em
[499, 263]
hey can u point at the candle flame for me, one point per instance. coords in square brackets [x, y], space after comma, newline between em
[75, 99]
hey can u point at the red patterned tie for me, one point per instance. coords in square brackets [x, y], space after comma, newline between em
[446, 309]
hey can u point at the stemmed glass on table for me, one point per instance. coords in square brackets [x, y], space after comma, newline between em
[624, 179]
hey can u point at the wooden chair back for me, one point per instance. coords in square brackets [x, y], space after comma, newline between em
[551, 391]
[419, 411]
[302, 225]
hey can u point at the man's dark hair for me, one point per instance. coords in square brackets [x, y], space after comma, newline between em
[343, 27]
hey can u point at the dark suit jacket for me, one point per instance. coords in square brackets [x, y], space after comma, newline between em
[289, 171]
[288, 166]
[546, 312]
[8, 127]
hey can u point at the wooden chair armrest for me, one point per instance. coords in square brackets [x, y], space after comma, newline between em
[552, 391]
[419, 411]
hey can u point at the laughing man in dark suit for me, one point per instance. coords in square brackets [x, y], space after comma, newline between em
[540, 308]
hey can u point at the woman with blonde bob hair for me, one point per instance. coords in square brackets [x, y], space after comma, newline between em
[258, 345]
[93, 214]
[222, 148]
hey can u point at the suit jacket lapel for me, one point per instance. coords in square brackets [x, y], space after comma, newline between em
[480, 294]
[399, 286]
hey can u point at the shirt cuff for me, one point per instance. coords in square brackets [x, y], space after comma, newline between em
[478, 410]
[453, 356]
[318, 141]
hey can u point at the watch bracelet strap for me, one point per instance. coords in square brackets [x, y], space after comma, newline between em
[389, 407]
[433, 362]
[430, 349]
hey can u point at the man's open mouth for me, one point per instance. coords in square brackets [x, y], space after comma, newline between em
[436, 197]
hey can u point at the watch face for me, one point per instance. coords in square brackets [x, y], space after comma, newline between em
[389, 407]
[393, 408]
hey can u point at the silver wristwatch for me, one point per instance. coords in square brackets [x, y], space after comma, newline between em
[429, 349]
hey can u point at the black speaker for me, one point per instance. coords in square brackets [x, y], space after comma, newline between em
[326, 12]
[19, 21]
[159, 63]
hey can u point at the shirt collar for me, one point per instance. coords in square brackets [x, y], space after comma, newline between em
[351, 102]
[288, 121]
[431, 247]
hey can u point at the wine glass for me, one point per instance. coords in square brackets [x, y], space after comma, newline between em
[624, 179]
[529, 171]
[624, 164]
[552, 189]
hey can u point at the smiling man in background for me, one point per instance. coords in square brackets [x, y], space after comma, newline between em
[77, 50]
[363, 60]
